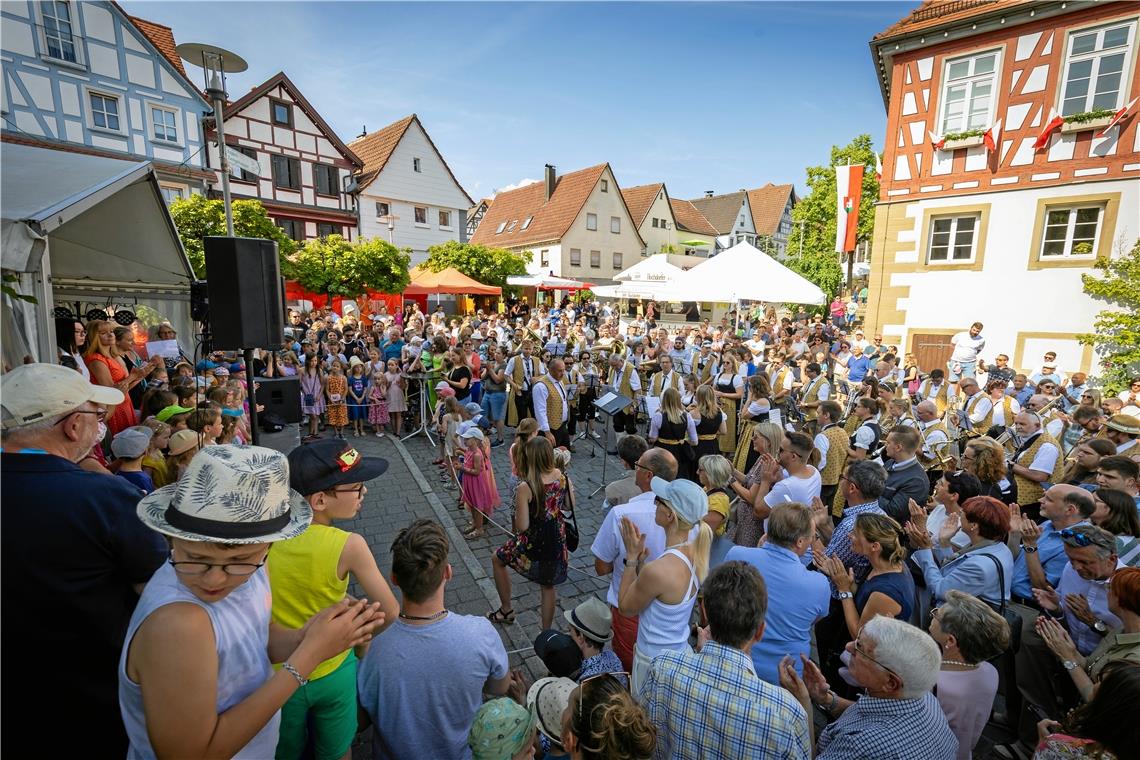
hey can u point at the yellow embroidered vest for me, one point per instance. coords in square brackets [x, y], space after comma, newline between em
[518, 376]
[778, 380]
[972, 404]
[622, 381]
[941, 399]
[811, 395]
[553, 401]
[705, 373]
[674, 383]
[837, 440]
[1028, 491]
[1006, 411]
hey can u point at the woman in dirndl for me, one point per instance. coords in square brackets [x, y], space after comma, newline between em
[729, 388]
[675, 431]
[753, 411]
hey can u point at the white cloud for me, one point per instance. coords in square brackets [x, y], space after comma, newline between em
[521, 183]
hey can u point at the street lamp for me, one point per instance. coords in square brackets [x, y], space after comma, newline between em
[216, 62]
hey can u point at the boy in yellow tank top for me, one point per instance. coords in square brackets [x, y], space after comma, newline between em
[311, 571]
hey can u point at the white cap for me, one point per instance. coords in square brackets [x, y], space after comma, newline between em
[33, 392]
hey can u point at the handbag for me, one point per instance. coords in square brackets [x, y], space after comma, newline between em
[1011, 618]
[310, 399]
[573, 536]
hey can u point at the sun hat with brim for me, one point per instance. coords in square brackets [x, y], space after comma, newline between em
[472, 432]
[1124, 423]
[501, 729]
[442, 384]
[328, 463]
[167, 412]
[230, 494]
[34, 392]
[548, 698]
[181, 442]
[687, 499]
[592, 618]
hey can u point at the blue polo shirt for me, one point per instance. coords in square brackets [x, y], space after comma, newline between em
[858, 368]
[392, 350]
[797, 598]
[1051, 552]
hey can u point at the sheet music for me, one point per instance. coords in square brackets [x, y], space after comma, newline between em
[652, 405]
[606, 399]
[774, 416]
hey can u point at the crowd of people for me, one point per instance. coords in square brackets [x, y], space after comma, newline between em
[817, 549]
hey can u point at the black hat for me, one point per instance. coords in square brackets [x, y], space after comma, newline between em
[328, 463]
[558, 653]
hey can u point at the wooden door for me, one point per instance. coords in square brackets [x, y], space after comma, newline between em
[931, 351]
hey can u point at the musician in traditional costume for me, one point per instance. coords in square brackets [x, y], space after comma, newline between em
[1038, 403]
[816, 391]
[587, 377]
[522, 370]
[673, 429]
[868, 433]
[976, 407]
[665, 378]
[780, 377]
[1003, 408]
[552, 404]
[936, 389]
[899, 414]
[1084, 423]
[705, 364]
[831, 442]
[935, 439]
[624, 379]
[1124, 430]
[729, 388]
[710, 420]
[1036, 460]
[559, 344]
[755, 409]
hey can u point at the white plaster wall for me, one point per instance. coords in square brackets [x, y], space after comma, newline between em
[432, 185]
[655, 237]
[1005, 295]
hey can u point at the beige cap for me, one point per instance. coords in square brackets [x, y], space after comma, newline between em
[34, 392]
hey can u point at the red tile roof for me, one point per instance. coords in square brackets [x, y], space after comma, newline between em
[377, 147]
[550, 219]
[690, 219]
[232, 109]
[935, 13]
[768, 205]
[639, 199]
[162, 37]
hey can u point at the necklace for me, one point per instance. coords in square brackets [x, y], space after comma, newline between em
[971, 666]
[435, 616]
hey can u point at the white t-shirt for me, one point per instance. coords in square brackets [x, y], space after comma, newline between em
[966, 348]
[609, 547]
[801, 490]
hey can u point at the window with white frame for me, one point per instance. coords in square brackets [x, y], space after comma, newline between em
[575, 257]
[953, 239]
[164, 123]
[502, 226]
[615, 224]
[416, 165]
[526, 222]
[421, 214]
[1094, 68]
[59, 37]
[967, 92]
[595, 259]
[591, 221]
[382, 208]
[511, 227]
[1071, 232]
[171, 193]
[104, 111]
[444, 218]
[544, 258]
[617, 260]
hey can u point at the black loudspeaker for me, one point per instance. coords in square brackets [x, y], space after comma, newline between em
[200, 301]
[281, 396]
[247, 309]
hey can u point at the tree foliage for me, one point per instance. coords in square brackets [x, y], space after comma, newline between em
[490, 266]
[816, 213]
[197, 217]
[334, 265]
[1117, 336]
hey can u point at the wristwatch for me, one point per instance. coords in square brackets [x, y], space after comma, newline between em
[1028, 549]
[1100, 627]
[845, 595]
[1069, 665]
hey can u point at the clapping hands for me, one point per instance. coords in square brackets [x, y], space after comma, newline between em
[916, 527]
[634, 540]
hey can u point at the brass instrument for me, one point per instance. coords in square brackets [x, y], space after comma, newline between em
[946, 460]
[1009, 435]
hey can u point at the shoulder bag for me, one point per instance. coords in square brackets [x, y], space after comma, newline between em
[1011, 617]
[573, 537]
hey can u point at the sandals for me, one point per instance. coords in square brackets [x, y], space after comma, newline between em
[501, 617]
[473, 534]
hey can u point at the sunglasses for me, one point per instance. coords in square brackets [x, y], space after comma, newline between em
[624, 682]
[1082, 539]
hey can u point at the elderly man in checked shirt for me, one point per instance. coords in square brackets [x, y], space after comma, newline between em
[711, 704]
[861, 486]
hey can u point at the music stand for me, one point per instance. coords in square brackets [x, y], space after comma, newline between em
[425, 411]
[609, 404]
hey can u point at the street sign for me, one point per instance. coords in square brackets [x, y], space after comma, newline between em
[242, 161]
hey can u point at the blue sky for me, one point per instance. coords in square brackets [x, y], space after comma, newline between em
[702, 96]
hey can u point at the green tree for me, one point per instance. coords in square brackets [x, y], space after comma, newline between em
[334, 265]
[490, 266]
[197, 217]
[814, 217]
[1117, 336]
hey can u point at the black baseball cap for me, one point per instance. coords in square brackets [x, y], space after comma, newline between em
[558, 653]
[325, 464]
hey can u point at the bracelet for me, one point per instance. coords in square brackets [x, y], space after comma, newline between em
[295, 673]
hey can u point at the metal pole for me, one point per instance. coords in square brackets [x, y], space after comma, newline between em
[219, 106]
[251, 385]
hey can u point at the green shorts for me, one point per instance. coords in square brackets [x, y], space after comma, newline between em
[327, 706]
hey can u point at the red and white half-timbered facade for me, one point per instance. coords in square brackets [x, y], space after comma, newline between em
[1004, 176]
[306, 170]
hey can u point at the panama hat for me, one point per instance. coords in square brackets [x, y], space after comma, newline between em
[1124, 423]
[593, 618]
[548, 698]
[230, 494]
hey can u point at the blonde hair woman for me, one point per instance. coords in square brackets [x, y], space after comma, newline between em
[710, 421]
[103, 360]
[985, 459]
[714, 473]
[755, 410]
[767, 438]
[662, 592]
[729, 389]
[675, 431]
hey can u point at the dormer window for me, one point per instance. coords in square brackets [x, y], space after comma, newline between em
[526, 222]
[502, 226]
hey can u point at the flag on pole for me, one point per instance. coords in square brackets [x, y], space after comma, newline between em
[849, 191]
[1051, 126]
[1116, 119]
[992, 136]
[878, 168]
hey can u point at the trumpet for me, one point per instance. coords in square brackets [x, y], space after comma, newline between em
[1009, 433]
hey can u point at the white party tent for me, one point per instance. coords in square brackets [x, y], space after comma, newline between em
[742, 273]
[652, 269]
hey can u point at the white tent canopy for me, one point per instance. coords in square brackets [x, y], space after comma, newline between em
[742, 273]
[546, 282]
[645, 290]
[653, 269]
[88, 228]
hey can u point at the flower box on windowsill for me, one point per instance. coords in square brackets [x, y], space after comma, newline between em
[1100, 122]
[963, 142]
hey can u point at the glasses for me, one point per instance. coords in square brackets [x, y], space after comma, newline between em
[1083, 539]
[357, 489]
[640, 466]
[859, 650]
[201, 568]
[934, 612]
[100, 414]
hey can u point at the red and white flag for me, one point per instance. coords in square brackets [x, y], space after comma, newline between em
[1119, 116]
[992, 136]
[936, 141]
[1051, 126]
[849, 191]
[878, 168]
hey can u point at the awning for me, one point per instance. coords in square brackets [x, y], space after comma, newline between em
[653, 269]
[547, 282]
[742, 273]
[449, 280]
[106, 219]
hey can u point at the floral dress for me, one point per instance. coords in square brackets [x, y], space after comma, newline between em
[378, 404]
[748, 528]
[338, 410]
[539, 553]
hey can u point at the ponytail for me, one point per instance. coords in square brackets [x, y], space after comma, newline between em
[814, 457]
[702, 546]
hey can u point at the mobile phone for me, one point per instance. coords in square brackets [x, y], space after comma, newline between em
[1038, 713]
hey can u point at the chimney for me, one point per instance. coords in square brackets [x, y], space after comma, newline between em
[550, 178]
[708, 193]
